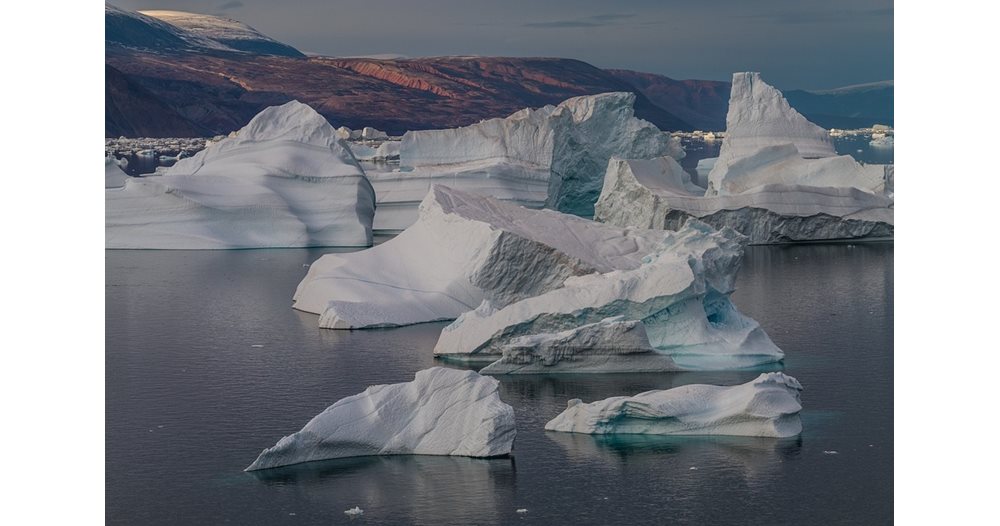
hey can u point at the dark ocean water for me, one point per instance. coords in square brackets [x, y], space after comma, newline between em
[207, 364]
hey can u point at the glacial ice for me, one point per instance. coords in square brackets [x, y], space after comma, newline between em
[463, 249]
[760, 116]
[371, 133]
[646, 194]
[680, 292]
[441, 412]
[283, 180]
[114, 176]
[608, 346]
[553, 156]
[767, 406]
[765, 187]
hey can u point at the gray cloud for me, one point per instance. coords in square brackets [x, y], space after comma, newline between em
[606, 19]
[231, 5]
[819, 17]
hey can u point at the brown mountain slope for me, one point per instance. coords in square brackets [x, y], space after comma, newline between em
[133, 111]
[703, 103]
[221, 92]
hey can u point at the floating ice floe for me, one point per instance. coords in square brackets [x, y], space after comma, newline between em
[441, 412]
[553, 156]
[768, 406]
[464, 249]
[680, 292]
[777, 179]
[885, 141]
[283, 180]
[608, 346]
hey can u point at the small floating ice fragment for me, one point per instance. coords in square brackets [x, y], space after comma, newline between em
[354, 511]
[830, 453]
[522, 510]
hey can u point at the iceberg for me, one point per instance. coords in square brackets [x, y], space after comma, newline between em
[657, 194]
[608, 346]
[371, 133]
[760, 116]
[768, 406]
[777, 179]
[553, 156]
[463, 249]
[114, 176]
[441, 412]
[680, 292]
[283, 180]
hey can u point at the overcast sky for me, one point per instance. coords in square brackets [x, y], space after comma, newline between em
[808, 44]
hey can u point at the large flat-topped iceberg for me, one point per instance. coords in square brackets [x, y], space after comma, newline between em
[283, 180]
[613, 345]
[657, 194]
[768, 406]
[552, 156]
[464, 249]
[441, 412]
[680, 292]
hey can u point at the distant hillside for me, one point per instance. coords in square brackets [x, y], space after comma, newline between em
[133, 111]
[849, 107]
[176, 31]
[704, 103]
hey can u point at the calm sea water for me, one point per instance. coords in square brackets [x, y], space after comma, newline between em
[207, 364]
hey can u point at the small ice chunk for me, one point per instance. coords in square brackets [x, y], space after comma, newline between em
[354, 511]
[522, 510]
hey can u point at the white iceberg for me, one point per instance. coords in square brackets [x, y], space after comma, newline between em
[760, 116]
[553, 156]
[657, 194]
[885, 141]
[777, 179]
[114, 176]
[680, 292]
[283, 180]
[464, 249]
[369, 152]
[768, 406]
[608, 346]
[371, 133]
[441, 412]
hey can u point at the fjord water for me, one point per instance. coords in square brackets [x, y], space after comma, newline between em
[207, 364]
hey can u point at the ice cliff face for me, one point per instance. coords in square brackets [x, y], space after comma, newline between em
[283, 180]
[612, 345]
[552, 156]
[680, 292]
[656, 194]
[765, 407]
[463, 249]
[760, 116]
[441, 412]
[776, 180]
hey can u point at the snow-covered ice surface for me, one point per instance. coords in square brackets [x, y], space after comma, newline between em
[283, 180]
[680, 292]
[231, 33]
[608, 346]
[767, 406]
[777, 179]
[656, 194]
[464, 249]
[552, 156]
[441, 412]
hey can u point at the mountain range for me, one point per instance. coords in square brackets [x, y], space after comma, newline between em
[176, 74]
